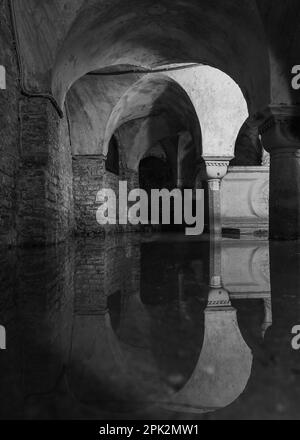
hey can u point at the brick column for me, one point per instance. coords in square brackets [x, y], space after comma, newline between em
[44, 181]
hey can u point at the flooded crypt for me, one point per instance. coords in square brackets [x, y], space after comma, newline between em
[108, 319]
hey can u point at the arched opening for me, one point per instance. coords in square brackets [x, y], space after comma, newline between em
[165, 109]
[112, 164]
[248, 147]
[155, 173]
[159, 137]
[164, 35]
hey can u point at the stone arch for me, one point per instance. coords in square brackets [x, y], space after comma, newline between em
[164, 34]
[154, 108]
[220, 104]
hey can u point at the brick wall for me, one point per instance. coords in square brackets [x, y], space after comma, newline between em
[89, 177]
[45, 184]
[9, 131]
[36, 200]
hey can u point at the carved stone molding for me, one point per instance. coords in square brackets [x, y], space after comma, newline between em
[215, 168]
[281, 129]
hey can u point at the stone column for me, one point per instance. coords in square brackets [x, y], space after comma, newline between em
[281, 138]
[215, 170]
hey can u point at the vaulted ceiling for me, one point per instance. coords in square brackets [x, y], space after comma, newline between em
[252, 41]
[255, 42]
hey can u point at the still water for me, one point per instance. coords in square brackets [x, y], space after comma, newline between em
[156, 327]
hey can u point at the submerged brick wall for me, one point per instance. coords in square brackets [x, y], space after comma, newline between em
[90, 176]
[103, 268]
[9, 131]
[37, 294]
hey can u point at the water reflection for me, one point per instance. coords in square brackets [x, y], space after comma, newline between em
[164, 328]
[224, 366]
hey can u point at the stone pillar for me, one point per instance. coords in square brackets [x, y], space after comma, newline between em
[281, 138]
[215, 170]
[44, 180]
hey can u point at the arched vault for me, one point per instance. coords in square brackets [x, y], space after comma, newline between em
[157, 106]
[60, 41]
[149, 34]
[160, 108]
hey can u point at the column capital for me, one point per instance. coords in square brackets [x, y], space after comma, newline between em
[280, 129]
[215, 168]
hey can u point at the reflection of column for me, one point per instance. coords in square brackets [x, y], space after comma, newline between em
[215, 170]
[215, 263]
[218, 298]
[134, 326]
[2, 338]
[224, 366]
[181, 297]
[96, 362]
[268, 318]
[46, 306]
[281, 137]
[181, 285]
[225, 363]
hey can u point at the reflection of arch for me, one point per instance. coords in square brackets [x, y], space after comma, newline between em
[112, 159]
[224, 366]
[100, 359]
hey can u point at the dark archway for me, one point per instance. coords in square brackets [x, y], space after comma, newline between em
[248, 148]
